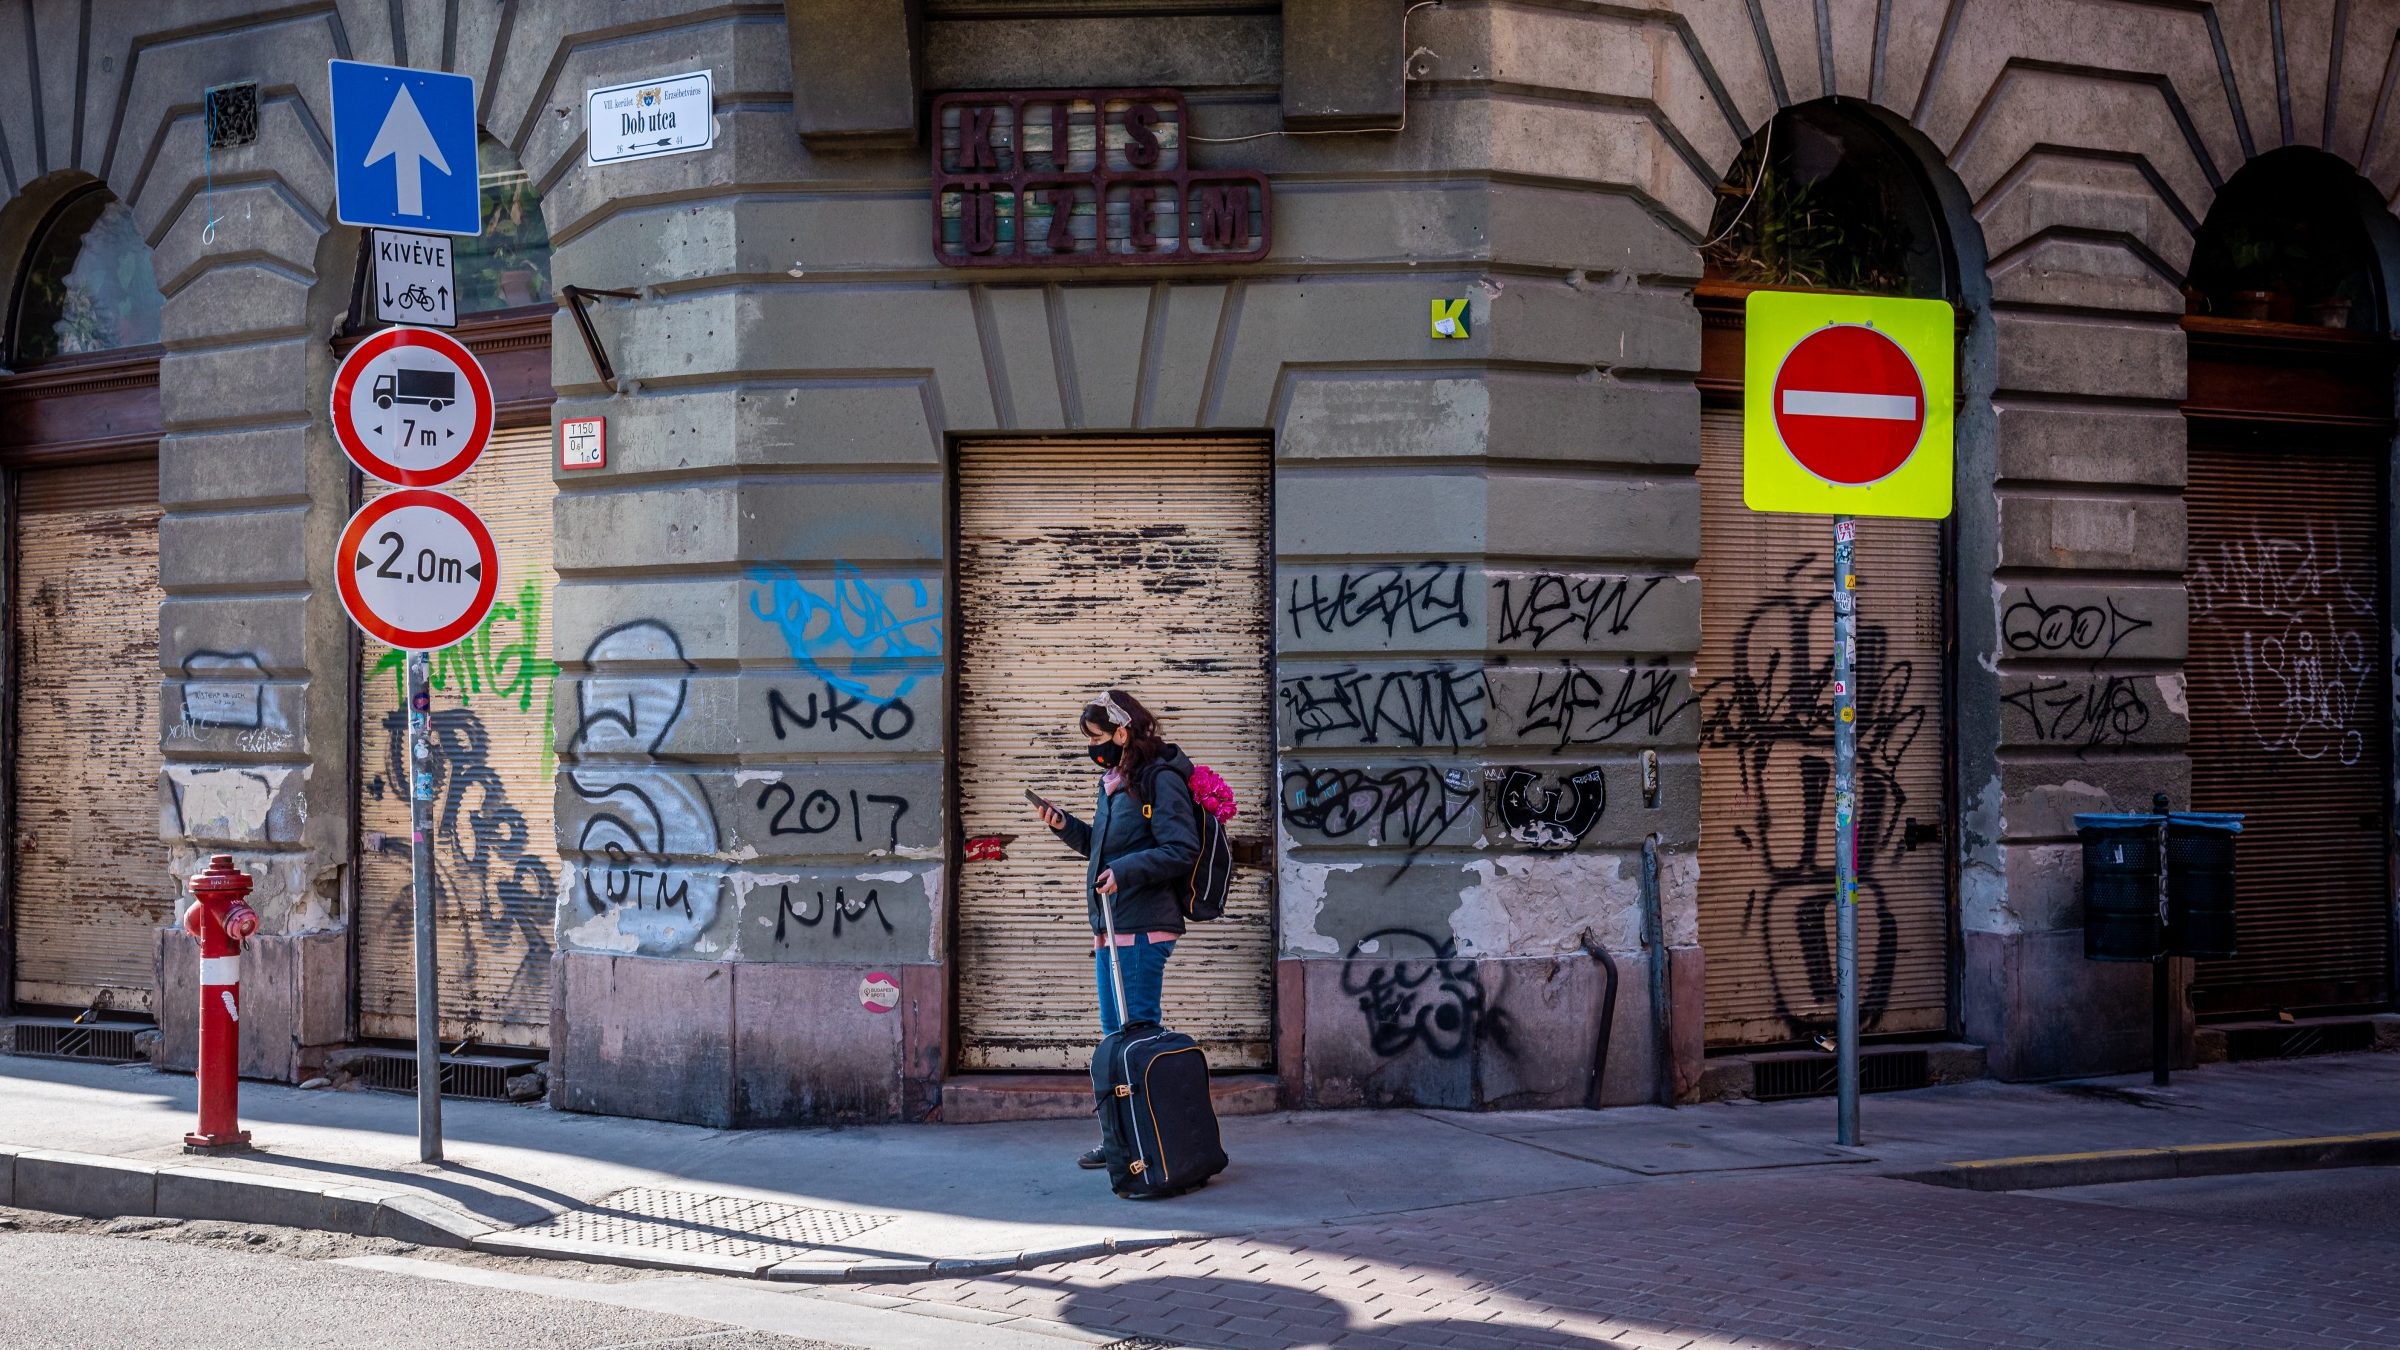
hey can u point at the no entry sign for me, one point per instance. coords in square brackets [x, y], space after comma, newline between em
[417, 569]
[412, 407]
[1847, 405]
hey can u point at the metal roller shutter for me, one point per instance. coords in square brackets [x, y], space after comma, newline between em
[1084, 565]
[2289, 682]
[1766, 766]
[91, 872]
[494, 808]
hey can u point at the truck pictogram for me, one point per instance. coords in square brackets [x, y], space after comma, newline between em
[436, 389]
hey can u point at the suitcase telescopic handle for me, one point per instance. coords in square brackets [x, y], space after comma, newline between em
[1116, 973]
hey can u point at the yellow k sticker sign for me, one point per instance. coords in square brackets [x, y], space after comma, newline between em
[1450, 318]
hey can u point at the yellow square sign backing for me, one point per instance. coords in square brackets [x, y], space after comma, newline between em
[1846, 405]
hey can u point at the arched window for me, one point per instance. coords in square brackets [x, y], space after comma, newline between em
[2287, 242]
[1826, 199]
[87, 285]
[508, 265]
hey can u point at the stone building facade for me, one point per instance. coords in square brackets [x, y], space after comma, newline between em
[746, 788]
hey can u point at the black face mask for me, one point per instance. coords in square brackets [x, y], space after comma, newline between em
[1108, 754]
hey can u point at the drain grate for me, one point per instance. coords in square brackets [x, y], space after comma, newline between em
[2294, 1042]
[1783, 1077]
[65, 1040]
[706, 1224]
[471, 1078]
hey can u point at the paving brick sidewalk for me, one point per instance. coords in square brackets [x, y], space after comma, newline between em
[1736, 1261]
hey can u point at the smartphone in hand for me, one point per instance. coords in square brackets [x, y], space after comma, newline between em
[1040, 802]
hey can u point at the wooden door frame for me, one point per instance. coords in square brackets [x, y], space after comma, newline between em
[2247, 376]
[70, 411]
[1721, 381]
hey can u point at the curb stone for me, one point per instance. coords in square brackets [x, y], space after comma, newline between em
[96, 1186]
[2106, 1167]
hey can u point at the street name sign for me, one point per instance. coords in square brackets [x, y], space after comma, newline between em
[412, 407]
[648, 118]
[404, 149]
[417, 569]
[1846, 405]
[414, 278]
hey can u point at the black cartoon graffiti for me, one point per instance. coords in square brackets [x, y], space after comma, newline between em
[1547, 819]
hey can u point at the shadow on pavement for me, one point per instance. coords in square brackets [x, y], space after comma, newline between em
[1168, 1307]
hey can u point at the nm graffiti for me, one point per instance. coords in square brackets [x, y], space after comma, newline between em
[842, 909]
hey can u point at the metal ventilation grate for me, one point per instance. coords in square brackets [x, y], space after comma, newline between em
[703, 1223]
[1783, 1077]
[2295, 1042]
[231, 111]
[65, 1040]
[473, 1078]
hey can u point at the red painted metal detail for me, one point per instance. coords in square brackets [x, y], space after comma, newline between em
[1085, 178]
[989, 847]
[221, 918]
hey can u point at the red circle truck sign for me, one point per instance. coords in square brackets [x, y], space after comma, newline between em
[412, 407]
[1846, 404]
[1849, 405]
[417, 569]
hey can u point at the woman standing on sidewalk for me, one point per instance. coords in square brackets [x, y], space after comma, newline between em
[1143, 835]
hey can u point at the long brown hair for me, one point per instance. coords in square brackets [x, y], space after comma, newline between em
[1143, 742]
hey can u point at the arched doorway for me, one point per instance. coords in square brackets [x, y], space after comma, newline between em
[1824, 198]
[79, 428]
[2287, 496]
[495, 842]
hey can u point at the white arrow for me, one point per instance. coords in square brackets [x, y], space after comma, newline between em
[409, 144]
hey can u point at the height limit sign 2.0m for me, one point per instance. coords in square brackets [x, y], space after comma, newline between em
[1846, 405]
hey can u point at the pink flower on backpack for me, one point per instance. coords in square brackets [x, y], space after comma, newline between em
[1212, 792]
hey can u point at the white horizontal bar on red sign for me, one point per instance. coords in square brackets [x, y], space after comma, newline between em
[1830, 403]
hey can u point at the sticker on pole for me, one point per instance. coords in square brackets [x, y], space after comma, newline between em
[417, 569]
[1846, 405]
[412, 407]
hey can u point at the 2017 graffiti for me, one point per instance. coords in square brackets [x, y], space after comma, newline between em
[1438, 704]
[1416, 993]
[1400, 598]
[1772, 709]
[2032, 628]
[1552, 603]
[869, 639]
[1549, 820]
[1408, 805]
[2103, 712]
[820, 811]
[1577, 705]
[841, 908]
[890, 720]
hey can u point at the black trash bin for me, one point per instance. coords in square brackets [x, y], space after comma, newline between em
[2200, 882]
[2120, 887]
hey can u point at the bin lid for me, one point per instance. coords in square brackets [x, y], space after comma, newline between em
[2104, 820]
[2230, 821]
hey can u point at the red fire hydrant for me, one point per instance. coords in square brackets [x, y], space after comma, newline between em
[220, 917]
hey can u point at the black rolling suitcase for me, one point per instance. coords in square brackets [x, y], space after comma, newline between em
[1158, 1127]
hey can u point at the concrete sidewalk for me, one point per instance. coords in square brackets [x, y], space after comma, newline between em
[900, 1201]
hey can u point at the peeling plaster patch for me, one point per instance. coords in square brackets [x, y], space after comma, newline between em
[1989, 659]
[888, 876]
[1302, 902]
[745, 777]
[1679, 896]
[226, 803]
[1983, 905]
[1541, 905]
[2170, 689]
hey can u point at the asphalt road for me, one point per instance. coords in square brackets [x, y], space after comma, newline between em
[2353, 1201]
[85, 1289]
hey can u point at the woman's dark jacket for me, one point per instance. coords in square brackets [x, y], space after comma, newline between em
[1149, 855]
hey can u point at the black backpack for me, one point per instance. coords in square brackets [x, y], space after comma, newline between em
[1201, 895]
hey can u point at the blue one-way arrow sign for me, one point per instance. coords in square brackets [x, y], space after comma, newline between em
[404, 148]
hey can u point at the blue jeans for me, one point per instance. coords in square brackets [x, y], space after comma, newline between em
[1145, 966]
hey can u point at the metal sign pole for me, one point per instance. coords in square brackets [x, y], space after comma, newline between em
[1845, 820]
[420, 861]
